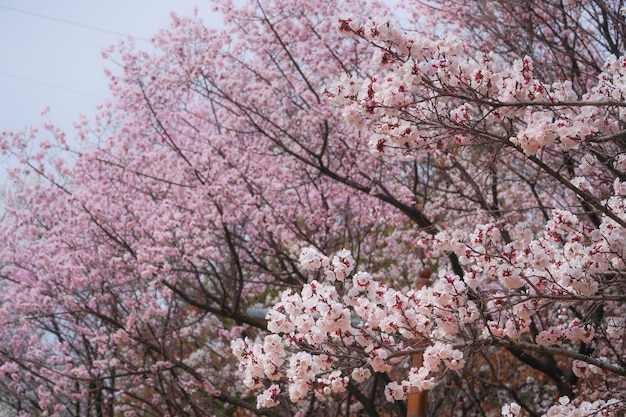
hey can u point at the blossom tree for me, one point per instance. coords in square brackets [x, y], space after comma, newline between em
[528, 242]
[324, 162]
[129, 271]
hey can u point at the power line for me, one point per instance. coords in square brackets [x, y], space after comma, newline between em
[66, 22]
[69, 22]
[50, 85]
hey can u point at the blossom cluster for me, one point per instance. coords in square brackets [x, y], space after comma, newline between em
[565, 408]
[564, 261]
[320, 339]
[420, 81]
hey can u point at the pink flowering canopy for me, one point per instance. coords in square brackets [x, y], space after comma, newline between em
[432, 204]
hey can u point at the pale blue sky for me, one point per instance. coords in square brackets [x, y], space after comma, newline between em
[50, 52]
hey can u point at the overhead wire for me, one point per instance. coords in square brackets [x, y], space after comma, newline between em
[50, 85]
[67, 22]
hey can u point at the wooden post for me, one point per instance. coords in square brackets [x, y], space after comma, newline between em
[417, 404]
